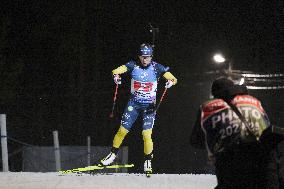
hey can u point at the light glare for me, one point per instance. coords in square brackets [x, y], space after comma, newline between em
[219, 58]
[242, 81]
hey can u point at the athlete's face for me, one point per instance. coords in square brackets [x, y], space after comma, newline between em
[145, 60]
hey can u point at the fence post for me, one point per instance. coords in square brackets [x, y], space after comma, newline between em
[89, 150]
[56, 151]
[4, 143]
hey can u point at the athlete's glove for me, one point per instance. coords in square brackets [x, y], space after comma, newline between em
[169, 84]
[117, 79]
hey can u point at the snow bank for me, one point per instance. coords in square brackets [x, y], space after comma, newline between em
[26, 180]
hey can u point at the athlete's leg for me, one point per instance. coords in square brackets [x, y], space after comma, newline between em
[118, 138]
[148, 142]
[129, 116]
[148, 122]
[148, 151]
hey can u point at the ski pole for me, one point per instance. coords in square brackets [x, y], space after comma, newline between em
[114, 101]
[161, 99]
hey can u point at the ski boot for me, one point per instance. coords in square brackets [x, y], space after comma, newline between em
[148, 168]
[109, 159]
[148, 165]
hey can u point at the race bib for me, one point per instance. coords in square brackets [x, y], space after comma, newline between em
[144, 90]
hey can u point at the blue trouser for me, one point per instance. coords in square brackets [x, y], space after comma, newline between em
[133, 109]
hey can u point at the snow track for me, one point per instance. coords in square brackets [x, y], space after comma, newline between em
[26, 180]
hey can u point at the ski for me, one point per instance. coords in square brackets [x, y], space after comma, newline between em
[95, 167]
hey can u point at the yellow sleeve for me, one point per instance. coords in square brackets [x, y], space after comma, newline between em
[120, 70]
[170, 76]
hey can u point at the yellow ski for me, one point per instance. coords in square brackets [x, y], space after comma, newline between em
[95, 167]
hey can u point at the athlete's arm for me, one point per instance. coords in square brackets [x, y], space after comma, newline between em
[129, 66]
[169, 76]
[120, 70]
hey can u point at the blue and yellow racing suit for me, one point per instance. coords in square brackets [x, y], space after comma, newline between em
[144, 81]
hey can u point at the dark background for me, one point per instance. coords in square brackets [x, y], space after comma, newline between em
[57, 57]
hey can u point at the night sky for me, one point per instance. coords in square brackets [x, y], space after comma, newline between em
[56, 59]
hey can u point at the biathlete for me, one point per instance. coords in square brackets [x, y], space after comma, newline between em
[144, 80]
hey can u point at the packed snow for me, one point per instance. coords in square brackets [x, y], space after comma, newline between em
[28, 180]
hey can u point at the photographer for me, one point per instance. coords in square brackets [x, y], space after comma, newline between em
[229, 127]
